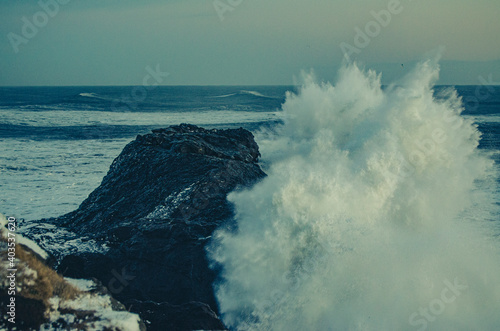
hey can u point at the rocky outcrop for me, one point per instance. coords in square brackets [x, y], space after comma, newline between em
[33, 296]
[143, 231]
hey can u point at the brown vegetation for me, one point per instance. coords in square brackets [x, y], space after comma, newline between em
[35, 283]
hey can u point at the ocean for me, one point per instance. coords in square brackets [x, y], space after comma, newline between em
[380, 210]
[57, 143]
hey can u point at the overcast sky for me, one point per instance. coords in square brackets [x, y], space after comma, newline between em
[228, 42]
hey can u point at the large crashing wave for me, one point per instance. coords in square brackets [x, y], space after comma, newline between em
[376, 215]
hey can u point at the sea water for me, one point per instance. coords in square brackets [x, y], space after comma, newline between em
[57, 143]
[380, 210]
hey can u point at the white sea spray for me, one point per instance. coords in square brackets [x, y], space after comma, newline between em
[376, 200]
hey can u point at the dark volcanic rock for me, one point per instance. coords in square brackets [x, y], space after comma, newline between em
[154, 213]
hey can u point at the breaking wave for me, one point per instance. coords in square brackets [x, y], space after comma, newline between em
[377, 213]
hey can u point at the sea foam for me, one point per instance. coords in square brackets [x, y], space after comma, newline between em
[377, 214]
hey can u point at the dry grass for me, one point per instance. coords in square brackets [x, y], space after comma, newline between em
[47, 282]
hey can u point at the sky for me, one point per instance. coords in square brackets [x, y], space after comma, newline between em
[241, 42]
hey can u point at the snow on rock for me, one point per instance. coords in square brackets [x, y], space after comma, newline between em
[93, 310]
[23, 240]
[44, 300]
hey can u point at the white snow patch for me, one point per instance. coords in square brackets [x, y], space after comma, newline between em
[121, 320]
[31, 245]
[81, 284]
[61, 242]
[171, 202]
[99, 304]
[22, 240]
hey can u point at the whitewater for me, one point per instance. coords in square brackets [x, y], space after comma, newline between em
[378, 213]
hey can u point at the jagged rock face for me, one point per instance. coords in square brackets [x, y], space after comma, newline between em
[155, 210]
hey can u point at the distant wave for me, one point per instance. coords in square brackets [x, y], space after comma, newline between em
[244, 92]
[484, 118]
[85, 118]
[225, 95]
[89, 95]
[95, 96]
[257, 94]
